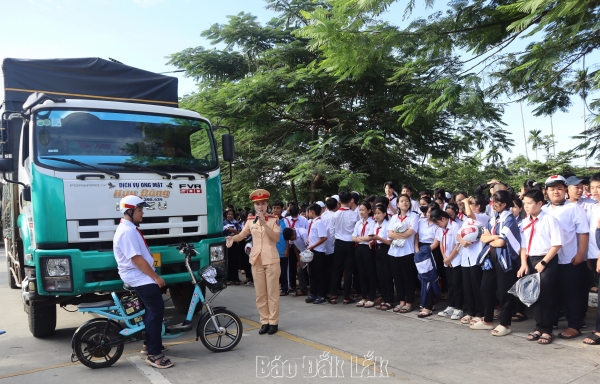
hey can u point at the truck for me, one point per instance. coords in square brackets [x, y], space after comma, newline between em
[76, 136]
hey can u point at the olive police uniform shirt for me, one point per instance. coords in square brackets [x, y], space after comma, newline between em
[262, 245]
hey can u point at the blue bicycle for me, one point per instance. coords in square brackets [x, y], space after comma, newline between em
[99, 343]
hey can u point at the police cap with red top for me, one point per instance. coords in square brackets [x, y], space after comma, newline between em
[555, 180]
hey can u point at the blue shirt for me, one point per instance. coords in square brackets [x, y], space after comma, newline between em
[281, 244]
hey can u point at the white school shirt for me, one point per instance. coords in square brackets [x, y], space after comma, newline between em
[301, 236]
[367, 225]
[448, 241]
[586, 204]
[126, 244]
[393, 204]
[593, 216]
[317, 229]
[572, 221]
[380, 230]
[414, 206]
[296, 222]
[427, 231]
[343, 221]
[546, 234]
[329, 244]
[409, 246]
[470, 253]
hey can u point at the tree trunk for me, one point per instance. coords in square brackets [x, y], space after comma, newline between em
[293, 192]
[315, 184]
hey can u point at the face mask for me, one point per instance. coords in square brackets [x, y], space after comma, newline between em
[424, 209]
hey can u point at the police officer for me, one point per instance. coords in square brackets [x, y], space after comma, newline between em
[265, 230]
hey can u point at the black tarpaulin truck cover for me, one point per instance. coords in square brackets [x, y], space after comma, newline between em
[85, 78]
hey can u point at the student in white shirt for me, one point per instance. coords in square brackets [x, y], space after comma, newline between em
[472, 273]
[426, 236]
[540, 243]
[326, 216]
[293, 220]
[390, 192]
[593, 252]
[381, 245]
[298, 238]
[408, 190]
[452, 211]
[575, 191]
[459, 199]
[445, 238]
[365, 257]
[342, 223]
[575, 238]
[401, 258]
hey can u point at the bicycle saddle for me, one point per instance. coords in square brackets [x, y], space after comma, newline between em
[128, 287]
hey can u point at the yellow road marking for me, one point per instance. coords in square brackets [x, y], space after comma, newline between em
[320, 347]
[129, 352]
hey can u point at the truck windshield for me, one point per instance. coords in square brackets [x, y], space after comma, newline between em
[167, 143]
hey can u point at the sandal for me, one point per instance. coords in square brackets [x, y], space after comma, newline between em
[519, 317]
[406, 309]
[237, 283]
[546, 339]
[385, 307]
[299, 293]
[466, 319]
[332, 300]
[369, 304]
[568, 337]
[501, 330]
[595, 339]
[534, 336]
[360, 303]
[348, 301]
[476, 319]
[423, 314]
[159, 361]
[283, 293]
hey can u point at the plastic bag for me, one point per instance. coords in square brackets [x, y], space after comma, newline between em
[527, 289]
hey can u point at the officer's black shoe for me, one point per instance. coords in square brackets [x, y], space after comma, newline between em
[264, 329]
[272, 329]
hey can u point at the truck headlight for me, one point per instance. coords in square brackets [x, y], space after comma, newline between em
[57, 267]
[217, 253]
[56, 274]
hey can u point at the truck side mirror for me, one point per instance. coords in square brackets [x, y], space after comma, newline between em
[227, 145]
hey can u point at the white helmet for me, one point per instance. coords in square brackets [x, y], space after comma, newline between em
[306, 256]
[471, 233]
[131, 202]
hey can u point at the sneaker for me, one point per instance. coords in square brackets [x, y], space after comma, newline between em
[310, 298]
[456, 315]
[319, 300]
[446, 312]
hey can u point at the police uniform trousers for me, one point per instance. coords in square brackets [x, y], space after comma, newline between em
[266, 284]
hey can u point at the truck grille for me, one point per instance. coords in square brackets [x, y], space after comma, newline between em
[98, 230]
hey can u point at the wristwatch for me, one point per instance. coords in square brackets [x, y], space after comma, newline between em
[543, 263]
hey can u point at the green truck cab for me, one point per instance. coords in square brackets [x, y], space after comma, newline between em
[78, 135]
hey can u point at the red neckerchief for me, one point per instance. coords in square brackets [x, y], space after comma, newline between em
[344, 209]
[461, 215]
[141, 234]
[532, 225]
[376, 234]
[294, 222]
[444, 237]
[402, 218]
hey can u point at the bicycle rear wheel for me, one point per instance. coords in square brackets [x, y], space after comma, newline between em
[97, 346]
[226, 336]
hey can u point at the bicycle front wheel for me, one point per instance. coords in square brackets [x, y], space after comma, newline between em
[227, 334]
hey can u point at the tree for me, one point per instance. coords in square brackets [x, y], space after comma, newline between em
[535, 139]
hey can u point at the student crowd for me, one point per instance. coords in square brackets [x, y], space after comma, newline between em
[375, 245]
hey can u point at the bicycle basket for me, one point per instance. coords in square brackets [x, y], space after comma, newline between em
[214, 277]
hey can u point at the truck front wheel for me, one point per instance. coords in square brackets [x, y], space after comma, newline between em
[42, 319]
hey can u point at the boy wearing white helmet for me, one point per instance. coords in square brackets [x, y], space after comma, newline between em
[136, 269]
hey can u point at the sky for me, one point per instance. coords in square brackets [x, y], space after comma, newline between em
[143, 33]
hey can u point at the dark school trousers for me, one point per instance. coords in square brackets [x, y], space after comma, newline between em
[246, 266]
[283, 277]
[303, 275]
[318, 269]
[293, 260]
[439, 266]
[455, 287]
[233, 262]
[342, 263]
[569, 283]
[495, 284]
[544, 309]
[367, 271]
[472, 290]
[151, 297]
[384, 273]
[403, 273]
